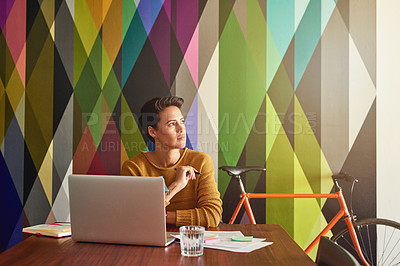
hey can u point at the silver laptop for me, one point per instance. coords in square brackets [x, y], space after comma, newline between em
[118, 209]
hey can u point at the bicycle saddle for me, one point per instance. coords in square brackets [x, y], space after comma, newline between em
[237, 170]
[345, 176]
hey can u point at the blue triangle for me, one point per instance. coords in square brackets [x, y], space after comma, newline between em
[188, 143]
[149, 11]
[16, 236]
[10, 205]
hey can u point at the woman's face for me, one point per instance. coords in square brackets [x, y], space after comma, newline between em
[171, 130]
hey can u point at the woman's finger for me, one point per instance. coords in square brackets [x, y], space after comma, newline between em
[192, 172]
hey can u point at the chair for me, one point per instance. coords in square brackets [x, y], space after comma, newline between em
[331, 254]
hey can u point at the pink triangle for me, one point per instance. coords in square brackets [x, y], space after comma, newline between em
[186, 16]
[192, 56]
[16, 30]
[5, 8]
[167, 8]
[51, 218]
[110, 149]
[21, 63]
[97, 166]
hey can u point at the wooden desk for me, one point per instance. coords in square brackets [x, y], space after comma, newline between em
[52, 251]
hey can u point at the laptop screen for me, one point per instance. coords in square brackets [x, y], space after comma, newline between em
[117, 209]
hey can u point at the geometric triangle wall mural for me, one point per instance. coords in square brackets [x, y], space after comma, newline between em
[288, 85]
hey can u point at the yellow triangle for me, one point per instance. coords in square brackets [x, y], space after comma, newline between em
[2, 89]
[320, 223]
[48, 8]
[326, 176]
[15, 89]
[20, 114]
[308, 218]
[124, 154]
[105, 115]
[306, 136]
[307, 211]
[52, 31]
[46, 174]
[2, 119]
[85, 24]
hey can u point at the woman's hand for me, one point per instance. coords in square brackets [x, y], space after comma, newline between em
[183, 175]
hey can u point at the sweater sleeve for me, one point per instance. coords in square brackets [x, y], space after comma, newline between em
[129, 169]
[208, 211]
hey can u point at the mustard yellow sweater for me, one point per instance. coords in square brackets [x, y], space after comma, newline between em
[199, 202]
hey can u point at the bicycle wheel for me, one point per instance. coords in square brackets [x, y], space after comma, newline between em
[379, 240]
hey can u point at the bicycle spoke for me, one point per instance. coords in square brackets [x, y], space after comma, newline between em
[364, 249]
[348, 243]
[384, 247]
[369, 241]
[392, 251]
[387, 246]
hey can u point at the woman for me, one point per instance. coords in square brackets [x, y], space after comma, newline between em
[192, 197]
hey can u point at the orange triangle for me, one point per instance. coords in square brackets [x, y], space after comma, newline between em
[84, 153]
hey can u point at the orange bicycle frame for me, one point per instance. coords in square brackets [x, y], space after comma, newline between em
[343, 212]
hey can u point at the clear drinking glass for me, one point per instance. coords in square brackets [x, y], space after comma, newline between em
[192, 240]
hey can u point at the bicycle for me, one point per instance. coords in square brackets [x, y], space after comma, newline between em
[374, 240]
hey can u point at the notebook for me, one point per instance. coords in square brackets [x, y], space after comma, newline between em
[118, 209]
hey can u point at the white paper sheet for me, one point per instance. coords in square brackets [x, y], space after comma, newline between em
[225, 242]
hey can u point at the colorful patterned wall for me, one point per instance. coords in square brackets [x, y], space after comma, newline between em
[285, 84]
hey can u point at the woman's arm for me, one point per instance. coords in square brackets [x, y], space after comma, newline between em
[208, 211]
[183, 175]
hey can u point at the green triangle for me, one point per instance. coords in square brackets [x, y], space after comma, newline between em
[95, 59]
[87, 89]
[255, 148]
[80, 57]
[95, 122]
[232, 81]
[223, 177]
[257, 38]
[128, 11]
[241, 92]
[111, 90]
[255, 91]
[106, 67]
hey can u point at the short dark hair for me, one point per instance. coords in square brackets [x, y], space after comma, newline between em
[150, 110]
